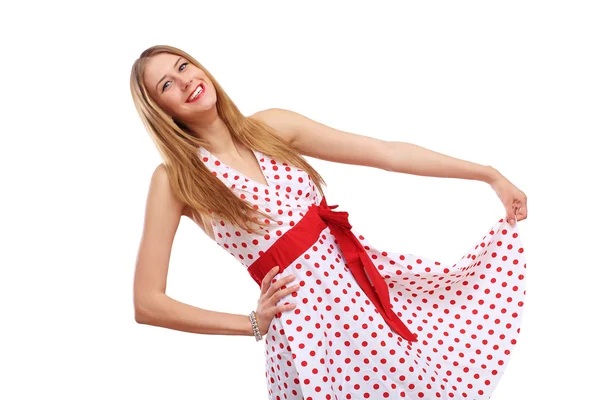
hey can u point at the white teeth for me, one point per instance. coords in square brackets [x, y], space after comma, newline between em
[196, 93]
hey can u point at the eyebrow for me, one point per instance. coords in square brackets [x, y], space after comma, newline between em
[174, 65]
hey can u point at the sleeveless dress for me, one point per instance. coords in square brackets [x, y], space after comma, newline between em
[336, 345]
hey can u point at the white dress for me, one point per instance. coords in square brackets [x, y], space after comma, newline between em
[336, 345]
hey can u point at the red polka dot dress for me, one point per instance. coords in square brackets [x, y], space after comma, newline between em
[335, 343]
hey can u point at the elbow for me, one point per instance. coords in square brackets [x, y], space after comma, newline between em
[140, 318]
[140, 315]
[142, 310]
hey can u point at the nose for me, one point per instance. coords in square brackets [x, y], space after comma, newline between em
[185, 83]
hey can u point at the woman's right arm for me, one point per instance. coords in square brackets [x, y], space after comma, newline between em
[152, 305]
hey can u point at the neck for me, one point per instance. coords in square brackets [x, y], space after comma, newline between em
[213, 129]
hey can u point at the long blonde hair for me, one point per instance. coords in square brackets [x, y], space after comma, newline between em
[190, 179]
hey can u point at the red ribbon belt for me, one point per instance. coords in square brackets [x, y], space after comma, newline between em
[297, 240]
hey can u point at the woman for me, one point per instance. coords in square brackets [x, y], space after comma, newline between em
[357, 322]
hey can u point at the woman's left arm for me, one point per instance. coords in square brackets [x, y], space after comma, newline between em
[317, 140]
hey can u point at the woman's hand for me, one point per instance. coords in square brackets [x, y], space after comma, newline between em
[270, 294]
[513, 199]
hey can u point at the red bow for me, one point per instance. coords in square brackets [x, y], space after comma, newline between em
[361, 266]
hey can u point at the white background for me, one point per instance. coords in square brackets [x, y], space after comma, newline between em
[511, 84]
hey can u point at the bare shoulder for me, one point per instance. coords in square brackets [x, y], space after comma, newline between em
[285, 122]
[161, 194]
[160, 178]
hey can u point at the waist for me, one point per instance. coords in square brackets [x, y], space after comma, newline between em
[291, 245]
[305, 233]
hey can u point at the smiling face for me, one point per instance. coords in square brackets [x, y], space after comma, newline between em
[180, 89]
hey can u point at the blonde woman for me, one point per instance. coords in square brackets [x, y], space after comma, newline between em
[339, 318]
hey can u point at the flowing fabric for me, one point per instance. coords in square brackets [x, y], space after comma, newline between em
[372, 323]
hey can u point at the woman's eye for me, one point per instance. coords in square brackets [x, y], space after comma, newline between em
[165, 85]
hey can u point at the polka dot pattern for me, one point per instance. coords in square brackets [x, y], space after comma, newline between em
[336, 345]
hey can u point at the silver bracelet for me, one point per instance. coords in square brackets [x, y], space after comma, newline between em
[255, 328]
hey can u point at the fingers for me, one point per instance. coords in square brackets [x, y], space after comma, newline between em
[520, 207]
[521, 213]
[510, 214]
[278, 284]
[271, 294]
[266, 282]
[268, 288]
[516, 213]
[282, 293]
[285, 307]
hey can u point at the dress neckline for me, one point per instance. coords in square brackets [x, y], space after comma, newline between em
[256, 155]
